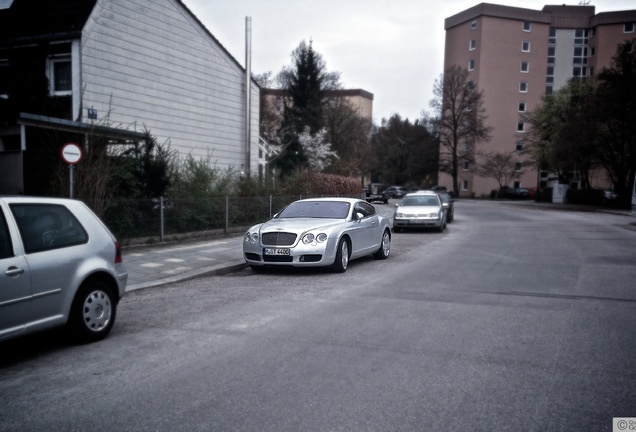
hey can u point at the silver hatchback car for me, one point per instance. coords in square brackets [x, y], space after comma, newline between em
[422, 209]
[59, 265]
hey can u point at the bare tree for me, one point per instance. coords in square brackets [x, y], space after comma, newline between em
[350, 137]
[503, 167]
[460, 117]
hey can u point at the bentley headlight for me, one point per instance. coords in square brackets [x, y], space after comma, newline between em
[251, 237]
[321, 237]
[308, 238]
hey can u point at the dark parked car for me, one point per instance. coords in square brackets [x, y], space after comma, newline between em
[449, 203]
[514, 193]
[373, 192]
[395, 192]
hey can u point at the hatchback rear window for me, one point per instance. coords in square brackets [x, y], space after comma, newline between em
[47, 226]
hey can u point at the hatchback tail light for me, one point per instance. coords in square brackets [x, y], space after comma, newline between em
[118, 257]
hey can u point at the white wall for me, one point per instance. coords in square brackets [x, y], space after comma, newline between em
[158, 68]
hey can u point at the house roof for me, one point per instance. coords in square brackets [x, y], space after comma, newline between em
[28, 21]
[78, 127]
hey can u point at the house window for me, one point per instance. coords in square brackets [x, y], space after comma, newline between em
[472, 45]
[525, 46]
[4, 78]
[470, 85]
[522, 107]
[517, 184]
[518, 166]
[60, 75]
[628, 27]
[527, 26]
[464, 185]
[519, 146]
[466, 165]
[467, 146]
[525, 66]
[471, 65]
[473, 24]
[523, 87]
[521, 127]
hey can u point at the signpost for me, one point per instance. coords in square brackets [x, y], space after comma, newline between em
[72, 155]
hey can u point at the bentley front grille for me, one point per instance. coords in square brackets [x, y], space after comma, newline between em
[278, 239]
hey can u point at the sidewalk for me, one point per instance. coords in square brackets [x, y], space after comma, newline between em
[150, 266]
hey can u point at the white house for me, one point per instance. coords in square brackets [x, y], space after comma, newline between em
[148, 64]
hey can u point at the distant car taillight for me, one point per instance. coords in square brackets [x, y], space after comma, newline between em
[118, 257]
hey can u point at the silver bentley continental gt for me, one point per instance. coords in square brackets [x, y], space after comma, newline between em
[318, 233]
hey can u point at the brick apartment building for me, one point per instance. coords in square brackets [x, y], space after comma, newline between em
[516, 55]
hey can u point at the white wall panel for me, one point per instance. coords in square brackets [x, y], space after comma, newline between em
[153, 66]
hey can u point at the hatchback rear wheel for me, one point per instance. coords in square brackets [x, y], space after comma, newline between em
[93, 312]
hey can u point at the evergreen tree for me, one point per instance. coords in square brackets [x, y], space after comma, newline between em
[303, 107]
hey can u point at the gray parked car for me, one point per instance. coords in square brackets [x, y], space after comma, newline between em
[422, 209]
[318, 233]
[59, 265]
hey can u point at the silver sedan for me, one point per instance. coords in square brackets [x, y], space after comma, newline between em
[317, 233]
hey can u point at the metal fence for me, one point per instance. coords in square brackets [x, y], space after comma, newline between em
[145, 221]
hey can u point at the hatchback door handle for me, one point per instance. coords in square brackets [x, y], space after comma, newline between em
[14, 271]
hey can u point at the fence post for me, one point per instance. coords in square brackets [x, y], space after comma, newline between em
[161, 218]
[227, 214]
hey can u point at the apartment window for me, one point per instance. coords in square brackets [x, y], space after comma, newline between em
[552, 36]
[628, 27]
[467, 146]
[470, 85]
[525, 66]
[466, 165]
[472, 45]
[527, 26]
[578, 72]
[580, 37]
[473, 24]
[525, 46]
[60, 75]
[464, 185]
[519, 146]
[521, 127]
[471, 65]
[523, 87]
[518, 166]
[592, 51]
[548, 90]
[516, 184]
[522, 107]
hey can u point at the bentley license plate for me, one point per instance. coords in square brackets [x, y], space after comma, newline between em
[275, 251]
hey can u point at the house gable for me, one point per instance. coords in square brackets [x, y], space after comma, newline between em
[154, 65]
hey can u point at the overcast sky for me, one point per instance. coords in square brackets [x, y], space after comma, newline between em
[393, 49]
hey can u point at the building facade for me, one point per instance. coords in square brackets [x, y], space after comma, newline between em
[132, 65]
[516, 55]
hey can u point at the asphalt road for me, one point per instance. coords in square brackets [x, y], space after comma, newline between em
[513, 319]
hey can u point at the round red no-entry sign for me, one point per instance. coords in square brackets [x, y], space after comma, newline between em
[71, 153]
